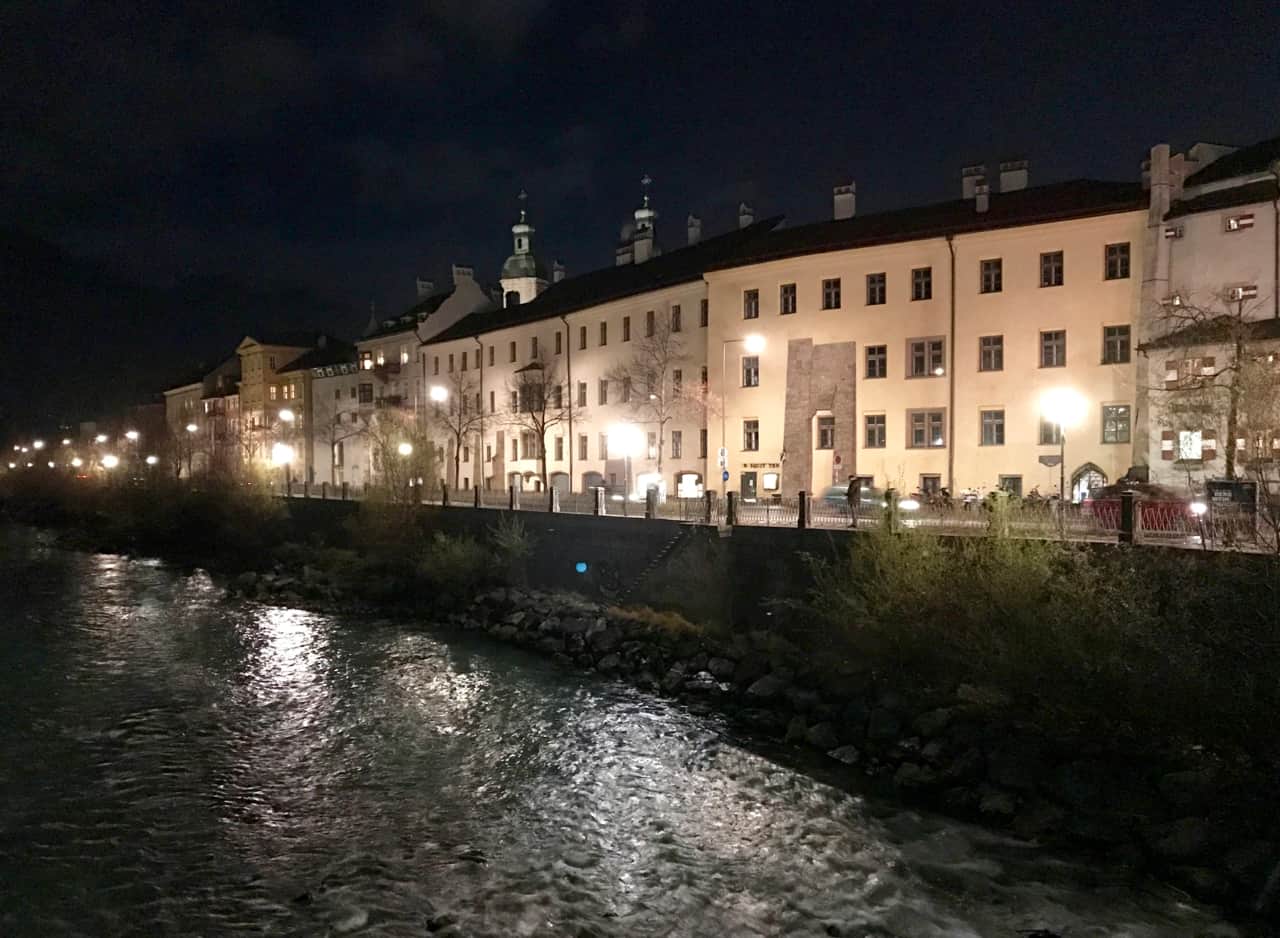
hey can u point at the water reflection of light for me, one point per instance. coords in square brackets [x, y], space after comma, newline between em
[441, 693]
[288, 653]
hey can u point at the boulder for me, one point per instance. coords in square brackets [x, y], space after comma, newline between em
[1183, 839]
[883, 724]
[1081, 784]
[1191, 788]
[932, 722]
[605, 640]
[551, 644]
[796, 730]
[750, 668]
[912, 775]
[965, 767]
[997, 803]
[1250, 862]
[1038, 818]
[609, 663]
[722, 668]
[575, 626]
[767, 687]
[1015, 767]
[701, 683]
[674, 677]
[982, 697]
[849, 755]
[822, 736]
[802, 699]
[767, 720]
[515, 618]
[1202, 882]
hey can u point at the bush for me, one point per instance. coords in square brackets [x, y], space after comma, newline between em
[454, 568]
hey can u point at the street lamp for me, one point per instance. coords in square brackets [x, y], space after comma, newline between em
[286, 415]
[110, 461]
[152, 460]
[627, 438]
[37, 444]
[100, 438]
[192, 428]
[754, 344]
[439, 394]
[405, 449]
[66, 442]
[131, 436]
[76, 462]
[1063, 407]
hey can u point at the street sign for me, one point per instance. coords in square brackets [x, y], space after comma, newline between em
[723, 456]
[724, 476]
[1050, 460]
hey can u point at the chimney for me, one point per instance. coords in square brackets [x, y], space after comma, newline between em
[425, 288]
[461, 273]
[642, 246]
[970, 178]
[981, 196]
[746, 214]
[1013, 175]
[557, 272]
[844, 201]
[695, 229]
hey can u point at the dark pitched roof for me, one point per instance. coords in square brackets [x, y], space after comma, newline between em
[1216, 331]
[410, 318]
[1075, 199]
[297, 338]
[1264, 190]
[614, 283]
[1255, 158]
[334, 352]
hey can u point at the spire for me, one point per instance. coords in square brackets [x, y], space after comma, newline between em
[645, 183]
[522, 231]
[373, 319]
[524, 198]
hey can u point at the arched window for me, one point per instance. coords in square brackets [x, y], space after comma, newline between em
[513, 298]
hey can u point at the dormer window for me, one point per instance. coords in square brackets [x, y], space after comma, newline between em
[1239, 222]
[513, 298]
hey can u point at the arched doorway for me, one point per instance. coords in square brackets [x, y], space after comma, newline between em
[591, 480]
[688, 484]
[560, 482]
[1085, 479]
[516, 479]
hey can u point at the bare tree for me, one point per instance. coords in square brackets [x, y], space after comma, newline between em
[655, 382]
[539, 404]
[333, 424]
[402, 453]
[460, 415]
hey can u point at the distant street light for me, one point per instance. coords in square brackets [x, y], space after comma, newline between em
[152, 460]
[110, 461]
[77, 462]
[51, 464]
[66, 442]
[287, 415]
[439, 394]
[192, 428]
[628, 439]
[405, 449]
[281, 454]
[37, 444]
[100, 438]
[131, 436]
[1065, 408]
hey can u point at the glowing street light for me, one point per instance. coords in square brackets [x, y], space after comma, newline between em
[405, 449]
[51, 464]
[100, 438]
[281, 454]
[439, 394]
[286, 415]
[1199, 508]
[909, 504]
[26, 449]
[131, 436]
[152, 460]
[192, 428]
[37, 444]
[110, 461]
[1065, 408]
[627, 439]
[66, 442]
[76, 462]
[13, 465]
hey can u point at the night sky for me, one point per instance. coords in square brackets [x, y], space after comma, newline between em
[175, 174]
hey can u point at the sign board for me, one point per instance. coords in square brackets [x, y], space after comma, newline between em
[1050, 460]
[724, 476]
[723, 456]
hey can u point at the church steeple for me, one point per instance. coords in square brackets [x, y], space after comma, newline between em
[642, 244]
[523, 275]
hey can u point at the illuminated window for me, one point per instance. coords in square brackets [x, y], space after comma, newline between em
[1190, 444]
[925, 358]
[1115, 423]
[1050, 433]
[826, 432]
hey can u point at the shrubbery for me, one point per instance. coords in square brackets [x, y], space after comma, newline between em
[1165, 644]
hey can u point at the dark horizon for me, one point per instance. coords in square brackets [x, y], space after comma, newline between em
[174, 179]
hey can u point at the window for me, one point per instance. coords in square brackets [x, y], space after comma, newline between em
[922, 283]
[559, 449]
[875, 289]
[511, 352]
[626, 328]
[559, 342]
[677, 381]
[450, 363]
[488, 452]
[515, 450]
[515, 400]
[750, 371]
[1053, 349]
[991, 353]
[582, 337]
[831, 293]
[930, 484]
[751, 435]
[675, 317]
[1115, 345]
[925, 358]
[533, 347]
[750, 304]
[271, 392]
[477, 402]
[1050, 433]
[366, 394]
[648, 324]
[490, 356]
[826, 432]
[992, 275]
[927, 429]
[702, 444]
[512, 298]
[877, 361]
[992, 427]
[435, 369]
[1115, 423]
[1051, 269]
[626, 391]
[464, 361]
[652, 445]
[1012, 485]
[677, 444]
[1190, 444]
[787, 299]
[1118, 261]
[604, 333]
[492, 402]
[477, 356]
[557, 397]
[603, 443]
[271, 362]
[337, 396]
[582, 446]
[603, 392]
[703, 313]
[702, 379]
[875, 431]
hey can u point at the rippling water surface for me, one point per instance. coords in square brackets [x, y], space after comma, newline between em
[176, 763]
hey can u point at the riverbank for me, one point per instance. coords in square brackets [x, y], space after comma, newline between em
[996, 704]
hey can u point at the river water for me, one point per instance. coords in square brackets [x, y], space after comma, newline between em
[173, 762]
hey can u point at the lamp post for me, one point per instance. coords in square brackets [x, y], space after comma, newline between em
[754, 344]
[627, 438]
[1064, 408]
